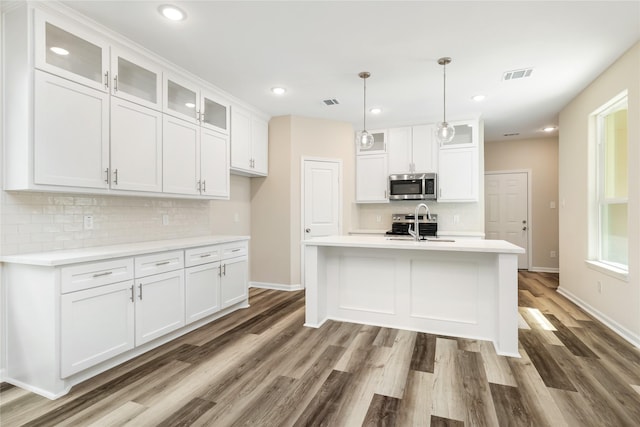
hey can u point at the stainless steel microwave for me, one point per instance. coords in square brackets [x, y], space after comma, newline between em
[413, 186]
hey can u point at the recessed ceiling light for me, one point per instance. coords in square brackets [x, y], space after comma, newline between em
[278, 90]
[549, 128]
[172, 13]
[59, 50]
[190, 105]
[375, 110]
[478, 98]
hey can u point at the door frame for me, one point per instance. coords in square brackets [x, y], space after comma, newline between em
[303, 160]
[530, 224]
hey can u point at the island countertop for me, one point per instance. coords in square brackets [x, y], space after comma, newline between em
[384, 242]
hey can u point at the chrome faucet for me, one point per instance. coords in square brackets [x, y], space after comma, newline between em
[416, 227]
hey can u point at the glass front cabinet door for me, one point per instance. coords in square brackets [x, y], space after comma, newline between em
[72, 52]
[136, 79]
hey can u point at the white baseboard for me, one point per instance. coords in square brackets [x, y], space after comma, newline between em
[606, 320]
[276, 286]
[544, 270]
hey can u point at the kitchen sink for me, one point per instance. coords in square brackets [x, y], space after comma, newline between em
[409, 239]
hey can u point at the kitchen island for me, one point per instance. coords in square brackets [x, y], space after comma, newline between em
[463, 288]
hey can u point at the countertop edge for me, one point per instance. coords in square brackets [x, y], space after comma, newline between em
[100, 253]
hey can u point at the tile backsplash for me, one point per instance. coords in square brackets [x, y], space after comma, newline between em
[35, 222]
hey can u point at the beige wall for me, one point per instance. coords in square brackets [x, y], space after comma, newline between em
[618, 304]
[540, 156]
[233, 216]
[276, 200]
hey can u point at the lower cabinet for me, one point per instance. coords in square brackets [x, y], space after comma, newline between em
[90, 316]
[96, 325]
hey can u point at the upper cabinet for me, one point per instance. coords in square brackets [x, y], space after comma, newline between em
[379, 143]
[249, 143]
[459, 163]
[466, 135]
[72, 53]
[412, 149]
[89, 113]
[188, 101]
[136, 79]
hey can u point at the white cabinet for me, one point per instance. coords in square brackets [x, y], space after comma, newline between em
[202, 282]
[96, 324]
[159, 305]
[70, 134]
[136, 147]
[186, 100]
[71, 52]
[412, 149]
[234, 281]
[467, 135]
[135, 79]
[249, 143]
[195, 160]
[458, 175]
[371, 178]
[379, 143]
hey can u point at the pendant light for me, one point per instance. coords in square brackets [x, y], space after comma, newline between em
[444, 132]
[365, 139]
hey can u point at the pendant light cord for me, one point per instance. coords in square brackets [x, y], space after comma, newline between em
[364, 106]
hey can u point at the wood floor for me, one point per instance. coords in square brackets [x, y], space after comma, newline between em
[261, 367]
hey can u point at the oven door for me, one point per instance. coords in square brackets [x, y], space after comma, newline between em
[405, 188]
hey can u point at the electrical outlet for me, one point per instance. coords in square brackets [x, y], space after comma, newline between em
[88, 222]
[456, 219]
[552, 254]
[599, 287]
[236, 217]
[378, 218]
[165, 219]
[552, 205]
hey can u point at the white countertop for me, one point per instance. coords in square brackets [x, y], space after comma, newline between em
[380, 242]
[72, 256]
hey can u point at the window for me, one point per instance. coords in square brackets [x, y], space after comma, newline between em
[611, 243]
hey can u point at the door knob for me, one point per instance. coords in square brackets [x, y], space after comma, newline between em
[307, 230]
[524, 228]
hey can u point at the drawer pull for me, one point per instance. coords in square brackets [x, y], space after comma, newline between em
[132, 297]
[162, 263]
[106, 273]
[140, 294]
[236, 250]
[205, 255]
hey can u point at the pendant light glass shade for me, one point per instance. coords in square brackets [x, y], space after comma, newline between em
[445, 131]
[364, 140]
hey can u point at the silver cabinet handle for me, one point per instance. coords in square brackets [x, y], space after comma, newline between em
[205, 255]
[140, 294]
[224, 269]
[106, 79]
[115, 83]
[220, 270]
[106, 273]
[115, 176]
[106, 178]
[236, 250]
[162, 263]
[204, 185]
[199, 186]
[132, 297]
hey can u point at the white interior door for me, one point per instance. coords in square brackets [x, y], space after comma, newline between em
[321, 198]
[506, 210]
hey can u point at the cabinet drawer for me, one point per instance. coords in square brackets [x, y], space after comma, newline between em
[85, 276]
[232, 250]
[203, 255]
[159, 263]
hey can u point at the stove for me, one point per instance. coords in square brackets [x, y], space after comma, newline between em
[400, 225]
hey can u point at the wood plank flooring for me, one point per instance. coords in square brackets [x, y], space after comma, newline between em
[261, 367]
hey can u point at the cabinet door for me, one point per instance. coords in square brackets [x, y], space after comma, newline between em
[234, 283]
[202, 285]
[214, 164]
[371, 178]
[399, 151]
[458, 175]
[180, 156]
[424, 149]
[180, 98]
[71, 133]
[136, 79]
[214, 112]
[240, 139]
[260, 145]
[136, 147]
[71, 52]
[96, 324]
[466, 135]
[159, 305]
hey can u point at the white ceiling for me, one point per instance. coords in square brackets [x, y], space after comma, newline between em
[317, 48]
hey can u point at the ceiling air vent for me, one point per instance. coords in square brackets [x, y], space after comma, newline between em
[331, 101]
[517, 74]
